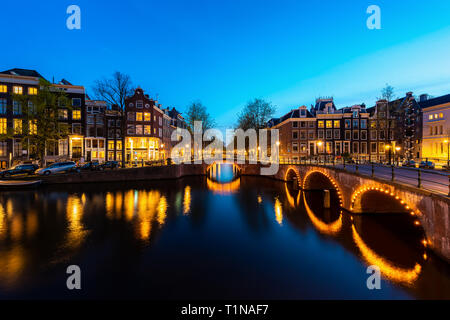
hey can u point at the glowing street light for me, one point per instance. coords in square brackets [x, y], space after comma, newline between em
[448, 153]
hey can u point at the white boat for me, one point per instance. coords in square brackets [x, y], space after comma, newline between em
[14, 184]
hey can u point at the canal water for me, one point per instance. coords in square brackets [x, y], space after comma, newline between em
[215, 237]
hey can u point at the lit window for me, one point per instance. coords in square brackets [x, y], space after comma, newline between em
[3, 88]
[138, 116]
[17, 90]
[321, 124]
[32, 124]
[147, 117]
[329, 124]
[2, 125]
[441, 115]
[430, 117]
[18, 126]
[337, 123]
[76, 114]
[139, 130]
[147, 130]
[32, 91]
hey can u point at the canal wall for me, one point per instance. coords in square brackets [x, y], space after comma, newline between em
[128, 174]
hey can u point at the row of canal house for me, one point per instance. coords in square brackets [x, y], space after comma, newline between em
[96, 131]
[389, 130]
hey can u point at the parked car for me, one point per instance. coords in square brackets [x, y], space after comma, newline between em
[426, 165]
[110, 165]
[410, 163]
[58, 167]
[92, 165]
[19, 169]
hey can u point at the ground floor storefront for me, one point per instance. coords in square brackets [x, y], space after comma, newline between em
[144, 149]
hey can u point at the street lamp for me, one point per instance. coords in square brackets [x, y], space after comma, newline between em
[388, 147]
[448, 153]
[319, 144]
[397, 149]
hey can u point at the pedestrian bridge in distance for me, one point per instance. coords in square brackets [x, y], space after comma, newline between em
[359, 194]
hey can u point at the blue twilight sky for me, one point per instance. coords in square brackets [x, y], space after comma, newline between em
[226, 52]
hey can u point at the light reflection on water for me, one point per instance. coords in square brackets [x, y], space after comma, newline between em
[198, 238]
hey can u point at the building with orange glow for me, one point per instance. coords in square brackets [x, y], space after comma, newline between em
[144, 128]
[436, 128]
[12, 118]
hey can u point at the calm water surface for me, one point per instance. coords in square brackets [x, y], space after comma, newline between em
[202, 238]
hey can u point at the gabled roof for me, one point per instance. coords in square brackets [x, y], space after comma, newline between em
[322, 103]
[435, 101]
[295, 114]
[23, 72]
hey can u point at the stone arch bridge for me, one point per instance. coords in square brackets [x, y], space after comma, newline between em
[359, 194]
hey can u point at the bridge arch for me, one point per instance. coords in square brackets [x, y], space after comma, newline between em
[293, 174]
[325, 177]
[237, 170]
[356, 205]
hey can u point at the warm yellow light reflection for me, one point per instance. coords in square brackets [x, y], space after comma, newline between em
[407, 276]
[74, 212]
[223, 188]
[187, 200]
[162, 210]
[2, 219]
[278, 212]
[330, 229]
[290, 199]
[12, 263]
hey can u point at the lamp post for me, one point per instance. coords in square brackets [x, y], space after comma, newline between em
[388, 148]
[397, 149]
[448, 153]
[278, 146]
[319, 144]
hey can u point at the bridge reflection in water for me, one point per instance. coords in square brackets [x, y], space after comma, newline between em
[223, 178]
[230, 224]
[401, 265]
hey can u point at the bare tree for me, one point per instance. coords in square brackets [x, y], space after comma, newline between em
[197, 112]
[255, 114]
[387, 93]
[114, 91]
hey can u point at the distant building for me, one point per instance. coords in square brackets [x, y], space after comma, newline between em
[114, 133]
[297, 134]
[144, 128]
[26, 82]
[95, 139]
[436, 128]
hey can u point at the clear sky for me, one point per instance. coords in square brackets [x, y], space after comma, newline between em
[225, 53]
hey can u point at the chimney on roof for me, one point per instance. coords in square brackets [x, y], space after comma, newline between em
[423, 97]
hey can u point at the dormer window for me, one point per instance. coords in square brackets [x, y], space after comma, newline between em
[302, 113]
[355, 114]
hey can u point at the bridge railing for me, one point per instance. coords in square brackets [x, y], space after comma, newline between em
[431, 180]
